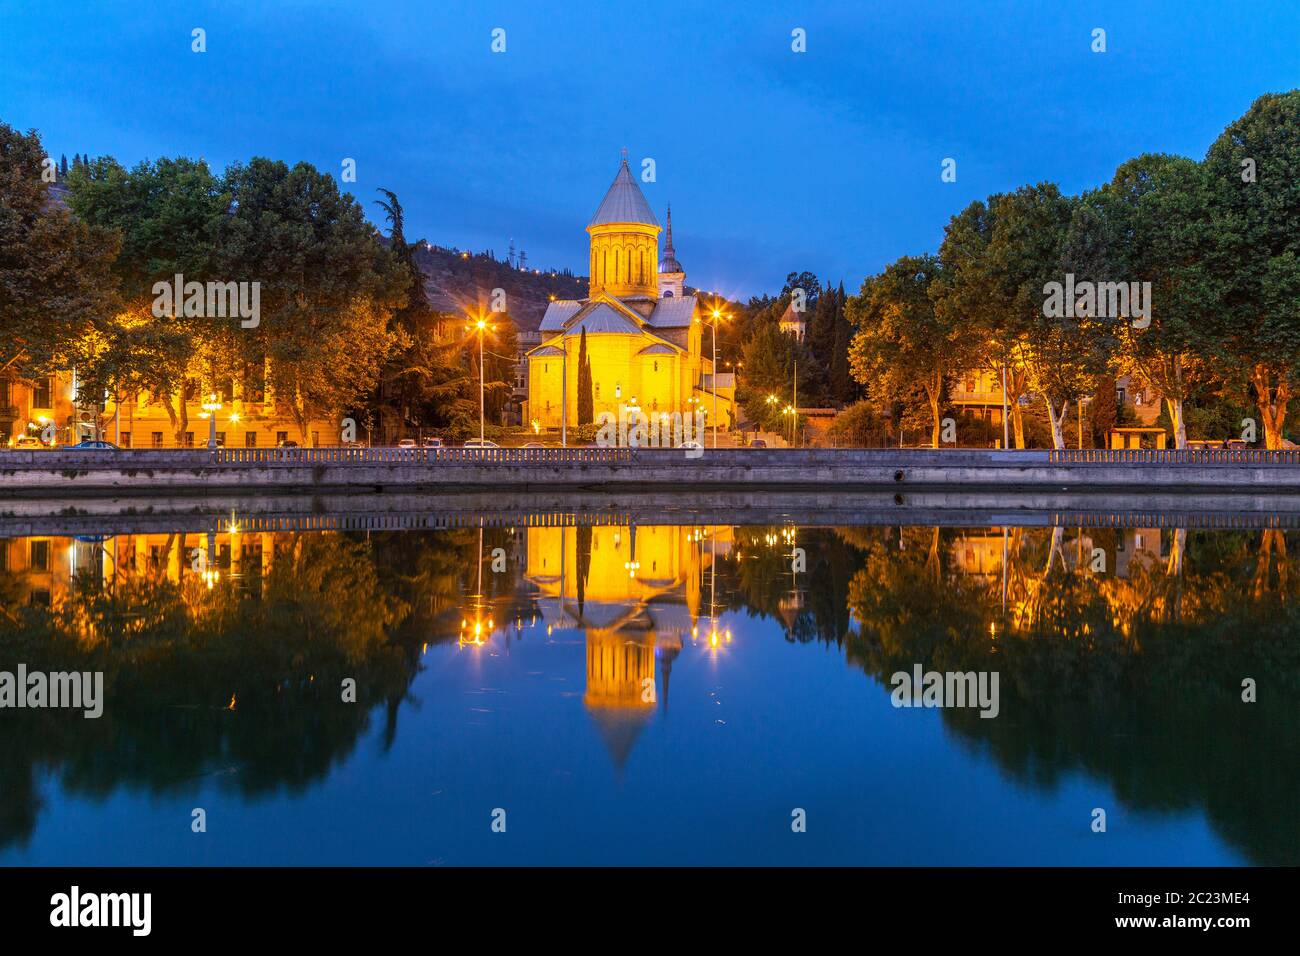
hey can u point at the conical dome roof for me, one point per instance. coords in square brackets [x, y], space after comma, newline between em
[624, 202]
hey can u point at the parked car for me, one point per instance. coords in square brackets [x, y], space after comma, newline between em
[691, 446]
[353, 444]
[758, 443]
[287, 443]
[27, 443]
[431, 443]
[95, 444]
[406, 443]
[533, 444]
[484, 443]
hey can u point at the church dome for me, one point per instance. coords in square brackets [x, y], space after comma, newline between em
[624, 202]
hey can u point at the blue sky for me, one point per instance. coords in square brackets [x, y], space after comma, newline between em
[827, 160]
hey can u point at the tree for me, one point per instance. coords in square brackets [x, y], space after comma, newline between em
[770, 358]
[972, 289]
[167, 214]
[806, 281]
[328, 287]
[902, 341]
[55, 283]
[859, 426]
[586, 400]
[1254, 258]
[1156, 223]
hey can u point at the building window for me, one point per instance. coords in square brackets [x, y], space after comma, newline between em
[189, 440]
[41, 395]
[221, 439]
[5, 398]
[315, 439]
[250, 439]
[125, 439]
[656, 365]
[281, 438]
[40, 556]
[157, 439]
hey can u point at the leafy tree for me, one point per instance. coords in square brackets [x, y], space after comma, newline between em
[55, 283]
[328, 287]
[167, 214]
[861, 425]
[1254, 257]
[901, 339]
[1155, 220]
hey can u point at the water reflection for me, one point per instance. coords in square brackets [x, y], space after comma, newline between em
[1121, 649]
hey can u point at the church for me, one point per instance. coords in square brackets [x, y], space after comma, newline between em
[648, 341]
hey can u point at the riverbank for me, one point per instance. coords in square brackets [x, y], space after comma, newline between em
[71, 473]
[104, 515]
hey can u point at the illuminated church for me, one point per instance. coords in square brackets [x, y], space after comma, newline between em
[646, 337]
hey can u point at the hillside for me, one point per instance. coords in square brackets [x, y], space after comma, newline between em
[459, 281]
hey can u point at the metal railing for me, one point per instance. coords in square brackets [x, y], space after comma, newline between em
[1172, 456]
[418, 456]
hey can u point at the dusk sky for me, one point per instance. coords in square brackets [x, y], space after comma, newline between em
[773, 160]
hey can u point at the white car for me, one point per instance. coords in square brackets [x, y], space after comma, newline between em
[485, 443]
[406, 443]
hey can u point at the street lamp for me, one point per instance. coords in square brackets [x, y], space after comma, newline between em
[480, 325]
[717, 314]
[212, 406]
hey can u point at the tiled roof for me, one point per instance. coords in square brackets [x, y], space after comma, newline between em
[658, 348]
[624, 202]
[603, 320]
[546, 351]
[673, 312]
[557, 313]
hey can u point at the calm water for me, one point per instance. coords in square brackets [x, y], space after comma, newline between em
[654, 694]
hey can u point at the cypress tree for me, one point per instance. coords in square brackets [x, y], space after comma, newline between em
[586, 401]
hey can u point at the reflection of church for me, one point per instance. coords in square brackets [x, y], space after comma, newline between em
[636, 593]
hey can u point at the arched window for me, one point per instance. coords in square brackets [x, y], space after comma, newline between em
[656, 365]
[668, 293]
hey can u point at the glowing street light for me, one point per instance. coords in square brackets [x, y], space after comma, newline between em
[480, 325]
[212, 406]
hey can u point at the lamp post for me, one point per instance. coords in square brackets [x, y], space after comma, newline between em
[716, 316]
[480, 325]
[212, 406]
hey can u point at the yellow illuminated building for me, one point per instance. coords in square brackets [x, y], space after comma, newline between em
[636, 594]
[648, 341]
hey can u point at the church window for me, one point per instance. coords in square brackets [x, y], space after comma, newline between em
[598, 389]
[656, 366]
[668, 294]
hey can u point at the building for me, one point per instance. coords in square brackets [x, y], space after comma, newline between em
[977, 394]
[792, 322]
[645, 333]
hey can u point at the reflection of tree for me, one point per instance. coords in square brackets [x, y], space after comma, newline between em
[1135, 680]
[760, 580]
[201, 682]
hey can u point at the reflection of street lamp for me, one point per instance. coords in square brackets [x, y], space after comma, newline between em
[212, 406]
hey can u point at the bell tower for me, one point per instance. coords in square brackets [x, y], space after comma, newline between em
[624, 241]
